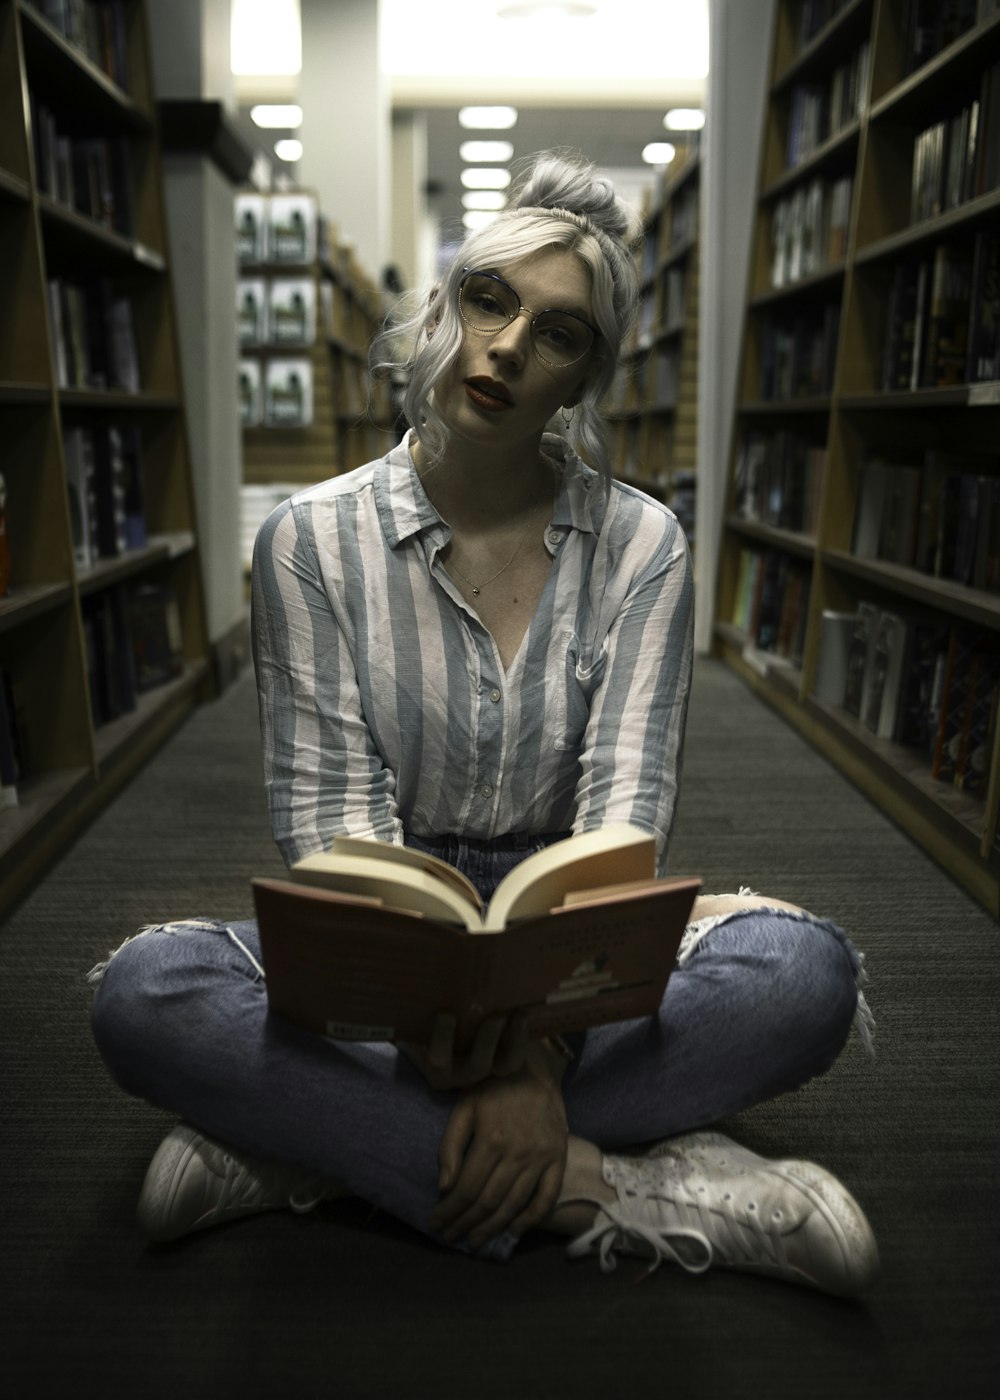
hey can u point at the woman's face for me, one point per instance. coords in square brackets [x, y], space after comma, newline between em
[499, 392]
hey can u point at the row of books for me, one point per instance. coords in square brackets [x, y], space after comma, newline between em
[283, 311]
[661, 308]
[943, 317]
[929, 685]
[277, 394]
[814, 15]
[278, 228]
[677, 225]
[771, 602]
[105, 490]
[93, 335]
[97, 28]
[809, 229]
[798, 353]
[778, 480]
[930, 26]
[958, 159]
[88, 174]
[133, 643]
[818, 111]
[941, 517]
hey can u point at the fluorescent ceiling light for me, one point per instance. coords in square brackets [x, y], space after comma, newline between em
[684, 119]
[477, 218]
[658, 153]
[265, 37]
[285, 118]
[476, 177]
[484, 199]
[478, 152]
[487, 118]
[288, 150]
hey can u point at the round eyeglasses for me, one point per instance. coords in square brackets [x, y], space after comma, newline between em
[488, 304]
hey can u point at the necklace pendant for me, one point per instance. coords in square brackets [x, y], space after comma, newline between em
[475, 592]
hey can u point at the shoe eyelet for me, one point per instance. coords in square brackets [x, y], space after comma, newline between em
[752, 1205]
[777, 1215]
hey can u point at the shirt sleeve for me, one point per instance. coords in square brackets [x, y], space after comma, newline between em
[630, 764]
[322, 771]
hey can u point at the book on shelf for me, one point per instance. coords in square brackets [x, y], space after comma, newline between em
[90, 174]
[251, 310]
[948, 310]
[251, 214]
[111, 670]
[288, 393]
[291, 311]
[105, 490]
[859, 659]
[292, 228]
[4, 540]
[11, 760]
[929, 26]
[371, 941]
[250, 393]
[778, 480]
[888, 664]
[836, 629]
[93, 333]
[983, 357]
[900, 370]
[155, 629]
[97, 28]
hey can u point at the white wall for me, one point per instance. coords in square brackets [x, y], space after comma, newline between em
[346, 124]
[740, 46]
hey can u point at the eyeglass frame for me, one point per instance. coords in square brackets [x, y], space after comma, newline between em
[533, 316]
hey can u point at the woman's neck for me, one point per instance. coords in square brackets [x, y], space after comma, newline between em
[470, 489]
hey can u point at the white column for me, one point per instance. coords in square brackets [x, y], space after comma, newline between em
[740, 39]
[346, 123]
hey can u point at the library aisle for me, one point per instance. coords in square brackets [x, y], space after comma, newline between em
[914, 1134]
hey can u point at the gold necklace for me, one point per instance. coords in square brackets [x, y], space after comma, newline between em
[477, 588]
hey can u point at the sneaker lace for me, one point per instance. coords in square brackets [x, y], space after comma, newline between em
[621, 1225]
[737, 1236]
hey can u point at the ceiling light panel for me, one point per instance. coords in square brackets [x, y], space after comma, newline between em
[487, 118]
[485, 152]
[278, 117]
[684, 119]
[476, 177]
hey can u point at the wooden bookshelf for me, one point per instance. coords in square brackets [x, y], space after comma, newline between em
[868, 407]
[80, 711]
[653, 406]
[351, 419]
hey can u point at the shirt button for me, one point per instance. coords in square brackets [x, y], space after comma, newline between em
[486, 790]
[494, 695]
[555, 537]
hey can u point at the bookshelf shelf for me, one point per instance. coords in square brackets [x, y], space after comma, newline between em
[27, 603]
[652, 407]
[788, 540]
[900, 648]
[104, 604]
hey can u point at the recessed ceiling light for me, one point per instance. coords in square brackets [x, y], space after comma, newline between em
[546, 9]
[484, 199]
[288, 150]
[476, 177]
[487, 118]
[658, 153]
[477, 218]
[480, 152]
[286, 117]
[684, 119]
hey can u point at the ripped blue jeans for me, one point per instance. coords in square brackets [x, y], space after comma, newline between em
[759, 1003]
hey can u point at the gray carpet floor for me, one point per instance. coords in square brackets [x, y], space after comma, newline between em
[346, 1303]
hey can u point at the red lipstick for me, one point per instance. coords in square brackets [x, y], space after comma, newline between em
[488, 393]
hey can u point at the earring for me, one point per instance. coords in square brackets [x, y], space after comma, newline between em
[568, 417]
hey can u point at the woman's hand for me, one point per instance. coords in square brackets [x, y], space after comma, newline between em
[503, 1155]
[499, 1048]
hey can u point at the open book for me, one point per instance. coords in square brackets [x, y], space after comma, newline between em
[369, 941]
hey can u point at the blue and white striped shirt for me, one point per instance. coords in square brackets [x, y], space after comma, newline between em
[384, 704]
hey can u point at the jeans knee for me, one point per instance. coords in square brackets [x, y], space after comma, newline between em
[827, 973]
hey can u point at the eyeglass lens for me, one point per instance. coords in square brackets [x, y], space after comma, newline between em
[489, 304]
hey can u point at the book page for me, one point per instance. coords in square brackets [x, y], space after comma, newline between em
[613, 855]
[407, 855]
[397, 886]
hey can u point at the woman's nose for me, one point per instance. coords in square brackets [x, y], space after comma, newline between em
[515, 338]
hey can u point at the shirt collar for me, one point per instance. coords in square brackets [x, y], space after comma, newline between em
[405, 509]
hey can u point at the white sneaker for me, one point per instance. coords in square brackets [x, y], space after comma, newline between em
[193, 1183]
[701, 1199]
